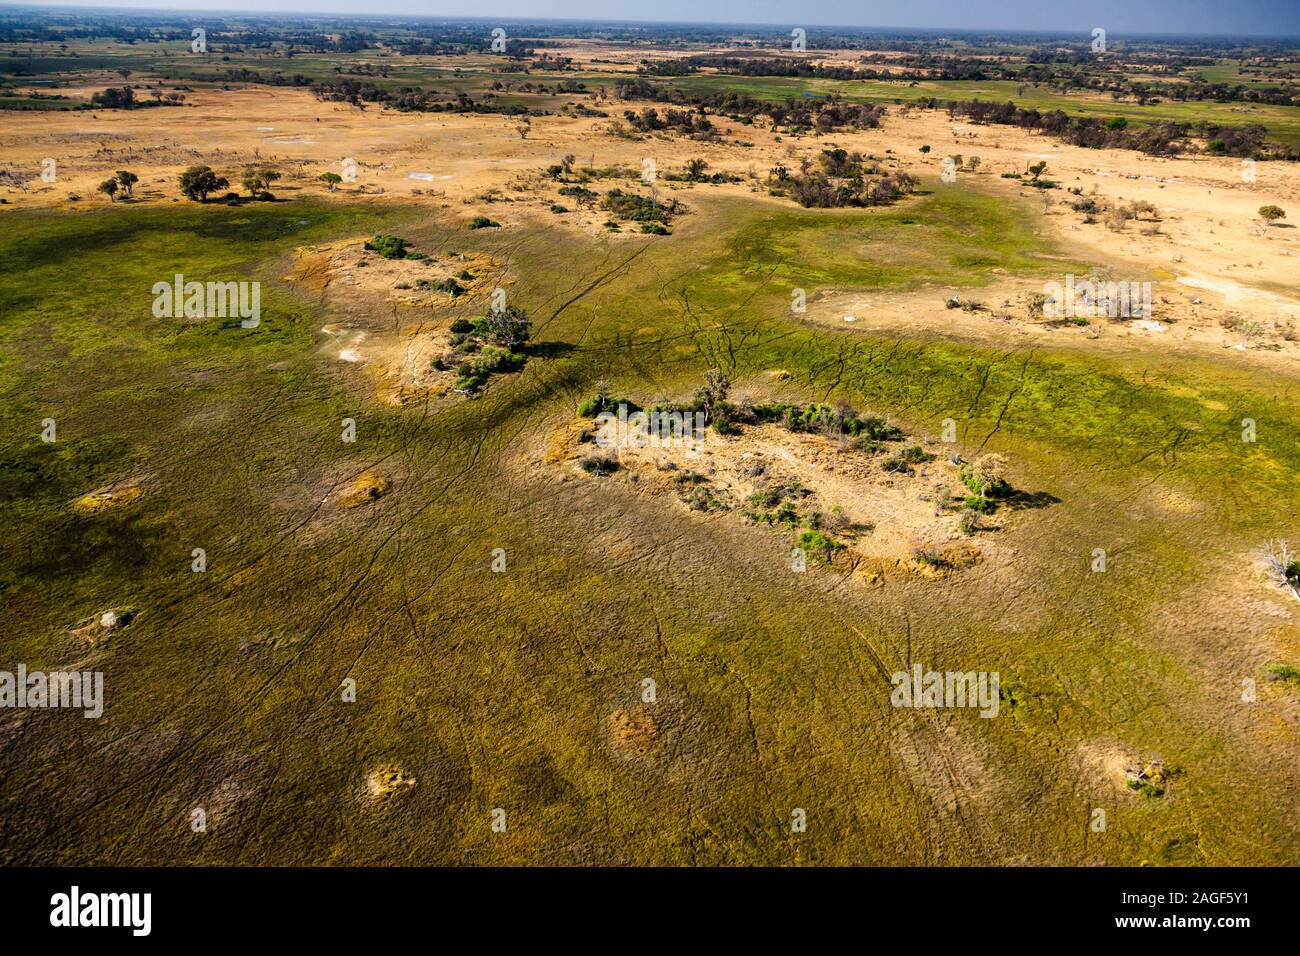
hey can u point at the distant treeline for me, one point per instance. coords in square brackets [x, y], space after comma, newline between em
[411, 99]
[797, 113]
[1165, 138]
[1156, 139]
[1062, 73]
[772, 66]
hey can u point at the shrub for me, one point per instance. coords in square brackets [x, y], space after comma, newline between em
[902, 460]
[603, 402]
[471, 375]
[605, 464]
[390, 247]
[819, 544]
[637, 208]
[483, 222]
[928, 558]
[1284, 672]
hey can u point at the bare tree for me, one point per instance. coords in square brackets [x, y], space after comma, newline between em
[1284, 567]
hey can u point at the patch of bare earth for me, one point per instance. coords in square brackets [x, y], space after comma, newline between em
[890, 523]
[396, 351]
[385, 782]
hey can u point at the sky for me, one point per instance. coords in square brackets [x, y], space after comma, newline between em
[1231, 17]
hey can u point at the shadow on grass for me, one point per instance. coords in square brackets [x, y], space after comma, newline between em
[1030, 500]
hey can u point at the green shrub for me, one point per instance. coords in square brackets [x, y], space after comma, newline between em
[1284, 672]
[1146, 788]
[637, 208]
[603, 402]
[390, 247]
[483, 222]
[819, 544]
[491, 360]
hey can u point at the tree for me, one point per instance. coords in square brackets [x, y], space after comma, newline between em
[986, 476]
[257, 179]
[695, 168]
[1037, 170]
[109, 187]
[1271, 214]
[113, 98]
[713, 394]
[509, 328]
[198, 181]
[330, 179]
[127, 180]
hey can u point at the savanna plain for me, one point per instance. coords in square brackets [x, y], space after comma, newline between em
[367, 584]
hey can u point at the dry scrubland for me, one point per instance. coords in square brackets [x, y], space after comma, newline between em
[523, 689]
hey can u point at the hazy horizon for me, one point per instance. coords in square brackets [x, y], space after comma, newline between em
[1262, 18]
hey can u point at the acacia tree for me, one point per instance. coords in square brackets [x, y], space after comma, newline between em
[198, 182]
[109, 188]
[1271, 214]
[331, 180]
[127, 180]
[257, 179]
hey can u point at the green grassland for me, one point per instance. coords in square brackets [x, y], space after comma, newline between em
[495, 689]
